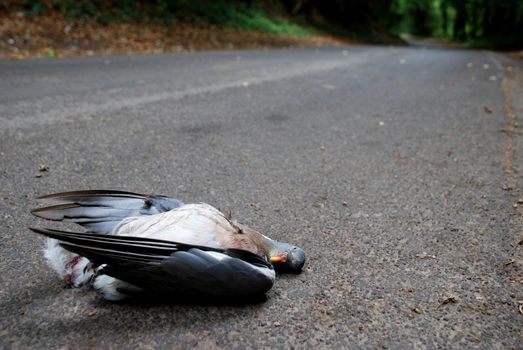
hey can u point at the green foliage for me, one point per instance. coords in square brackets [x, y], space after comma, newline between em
[36, 7]
[486, 23]
[255, 19]
[489, 23]
[234, 14]
[238, 14]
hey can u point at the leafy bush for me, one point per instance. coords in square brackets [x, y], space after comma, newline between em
[230, 13]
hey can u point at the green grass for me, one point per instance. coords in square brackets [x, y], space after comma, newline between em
[236, 15]
[255, 19]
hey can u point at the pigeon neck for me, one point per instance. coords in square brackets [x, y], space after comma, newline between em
[275, 247]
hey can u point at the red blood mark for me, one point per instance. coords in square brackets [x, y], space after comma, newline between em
[74, 260]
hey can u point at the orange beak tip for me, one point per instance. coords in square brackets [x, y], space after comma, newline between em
[276, 259]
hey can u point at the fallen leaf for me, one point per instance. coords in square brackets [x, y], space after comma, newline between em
[513, 261]
[449, 299]
[50, 52]
[425, 255]
[488, 109]
[400, 157]
[508, 187]
[20, 56]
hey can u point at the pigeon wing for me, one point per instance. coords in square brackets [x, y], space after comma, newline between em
[100, 210]
[164, 267]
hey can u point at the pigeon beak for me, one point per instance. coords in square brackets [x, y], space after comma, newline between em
[277, 259]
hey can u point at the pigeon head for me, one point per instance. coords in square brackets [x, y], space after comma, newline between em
[287, 258]
[283, 256]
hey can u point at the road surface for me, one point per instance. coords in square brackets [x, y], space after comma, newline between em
[397, 170]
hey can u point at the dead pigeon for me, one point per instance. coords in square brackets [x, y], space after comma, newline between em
[138, 244]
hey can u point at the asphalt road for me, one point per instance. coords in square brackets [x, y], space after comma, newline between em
[382, 163]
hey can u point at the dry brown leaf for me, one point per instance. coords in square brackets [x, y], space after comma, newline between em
[509, 187]
[510, 262]
[449, 299]
[425, 255]
[53, 35]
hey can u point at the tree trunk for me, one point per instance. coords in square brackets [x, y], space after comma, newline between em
[460, 21]
[444, 17]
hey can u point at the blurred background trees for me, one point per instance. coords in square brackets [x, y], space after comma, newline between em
[486, 23]
[491, 23]
[495, 23]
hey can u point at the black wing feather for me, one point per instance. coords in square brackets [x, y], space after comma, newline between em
[195, 273]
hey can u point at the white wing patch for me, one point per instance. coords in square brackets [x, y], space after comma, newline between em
[271, 274]
[217, 255]
[267, 272]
